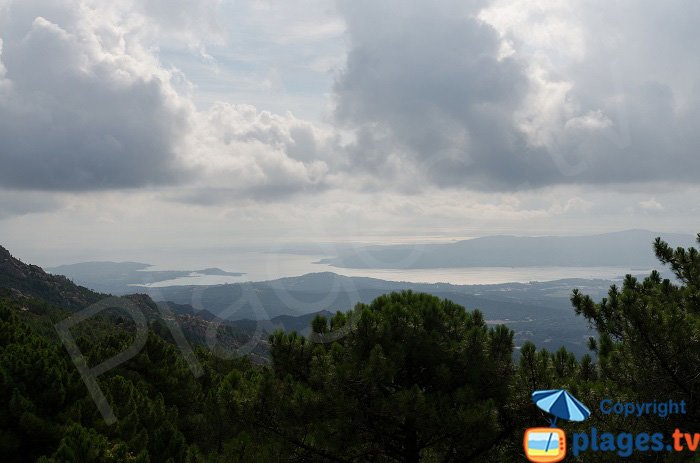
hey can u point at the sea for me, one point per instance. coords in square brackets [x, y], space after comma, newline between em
[264, 266]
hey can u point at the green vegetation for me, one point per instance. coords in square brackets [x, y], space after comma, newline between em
[413, 378]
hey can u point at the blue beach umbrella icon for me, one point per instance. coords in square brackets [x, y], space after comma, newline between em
[561, 404]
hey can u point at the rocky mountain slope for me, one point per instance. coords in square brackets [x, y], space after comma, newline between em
[30, 289]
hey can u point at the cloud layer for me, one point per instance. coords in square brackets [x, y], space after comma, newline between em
[85, 104]
[489, 96]
[426, 87]
[516, 94]
[83, 107]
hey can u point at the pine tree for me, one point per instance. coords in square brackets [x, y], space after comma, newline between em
[648, 345]
[415, 379]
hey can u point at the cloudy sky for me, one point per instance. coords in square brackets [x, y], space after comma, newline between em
[150, 125]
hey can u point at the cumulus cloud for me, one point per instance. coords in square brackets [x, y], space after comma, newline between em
[492, 95]
[426, 89]
[246, 153]
[516, 94]
[82, 107]
[651, 205]
[85, 104]
[621, 106]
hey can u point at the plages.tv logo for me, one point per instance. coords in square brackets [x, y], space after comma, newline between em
[548, 445]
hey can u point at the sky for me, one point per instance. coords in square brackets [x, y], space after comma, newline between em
[152, 126]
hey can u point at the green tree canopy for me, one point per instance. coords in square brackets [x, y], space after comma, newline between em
[649, 332]
[415, 378]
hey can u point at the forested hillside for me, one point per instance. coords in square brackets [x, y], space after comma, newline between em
[408, 377]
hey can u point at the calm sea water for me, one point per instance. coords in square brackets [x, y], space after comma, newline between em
[260, 266]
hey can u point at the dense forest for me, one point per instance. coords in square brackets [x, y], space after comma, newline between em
[406, 378]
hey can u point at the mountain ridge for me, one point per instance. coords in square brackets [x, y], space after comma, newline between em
[33, 280]
[20, 282]
[629, 248]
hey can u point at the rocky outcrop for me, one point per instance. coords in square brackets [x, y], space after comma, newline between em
[31, 280]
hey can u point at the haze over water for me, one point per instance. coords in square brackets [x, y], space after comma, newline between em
[261, 266]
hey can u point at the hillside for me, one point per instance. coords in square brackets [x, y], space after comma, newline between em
[403, 355]
[538, 311]
[34, 281]
[630, 248]
[46, 297]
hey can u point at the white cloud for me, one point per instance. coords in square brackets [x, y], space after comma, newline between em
[651, 205]
[87, 105]
[611, 97]
[244, 152]
[83, 107]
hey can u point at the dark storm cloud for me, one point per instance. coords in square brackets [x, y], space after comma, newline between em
[423, 79]
[639, 70]
[425, 86]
